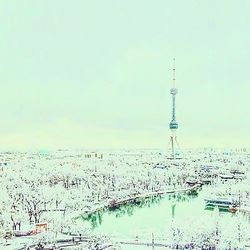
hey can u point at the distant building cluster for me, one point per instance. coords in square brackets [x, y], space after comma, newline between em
[94, 155]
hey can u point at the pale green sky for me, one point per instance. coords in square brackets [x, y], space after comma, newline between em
[77, 73]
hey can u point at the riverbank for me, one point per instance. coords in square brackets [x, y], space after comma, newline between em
[140, 196]
[172, 221]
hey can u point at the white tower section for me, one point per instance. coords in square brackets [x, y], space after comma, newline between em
[173, 125]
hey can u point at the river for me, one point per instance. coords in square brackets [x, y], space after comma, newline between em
[155, 219]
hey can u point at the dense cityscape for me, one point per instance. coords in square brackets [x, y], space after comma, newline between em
[50, 198]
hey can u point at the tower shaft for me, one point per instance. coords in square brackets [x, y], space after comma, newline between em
[173, 123]
[173, 107]
[172, 146]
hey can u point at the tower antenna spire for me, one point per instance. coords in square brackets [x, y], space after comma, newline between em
[174, 72]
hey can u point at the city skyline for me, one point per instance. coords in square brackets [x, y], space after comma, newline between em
[92, 74]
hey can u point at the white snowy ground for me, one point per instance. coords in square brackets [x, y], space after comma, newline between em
[54, 187]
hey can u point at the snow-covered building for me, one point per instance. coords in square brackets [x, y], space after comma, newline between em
[94, 155]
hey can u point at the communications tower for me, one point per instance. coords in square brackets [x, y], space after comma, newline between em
[173, 125]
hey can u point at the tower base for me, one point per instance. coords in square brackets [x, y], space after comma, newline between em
[174, 146]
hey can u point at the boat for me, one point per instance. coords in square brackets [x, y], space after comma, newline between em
[223, 203]
[237, 171]
[226, 176]
[239, 177]
[233, 209]
[21, 233]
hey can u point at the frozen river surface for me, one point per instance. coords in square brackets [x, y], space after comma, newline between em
[160, 218]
